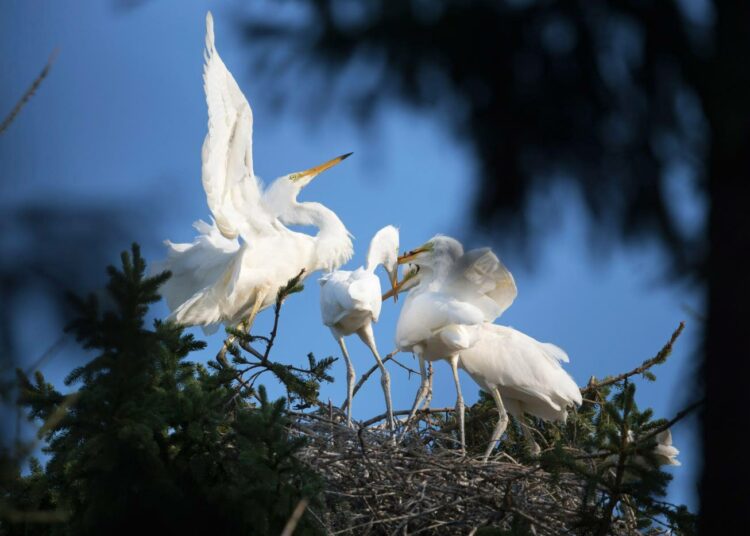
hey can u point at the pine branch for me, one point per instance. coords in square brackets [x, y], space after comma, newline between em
[658, 359]
[301, 383]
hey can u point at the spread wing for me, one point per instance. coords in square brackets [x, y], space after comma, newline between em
[478, 277]
[232, 190]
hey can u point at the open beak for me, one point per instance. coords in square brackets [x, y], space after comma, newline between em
[309, 174]
[413, 254]
[398, 286]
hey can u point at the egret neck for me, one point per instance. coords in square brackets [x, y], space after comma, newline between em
[333, 241]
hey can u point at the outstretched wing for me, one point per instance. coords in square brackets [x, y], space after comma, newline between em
[479, 278]
[232, 191]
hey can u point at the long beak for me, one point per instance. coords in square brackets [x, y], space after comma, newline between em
[309, 174]
[398, 286]
[411, 255]
[394, 282]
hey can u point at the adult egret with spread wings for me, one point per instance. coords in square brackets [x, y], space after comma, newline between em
[350, 302]
[452, 295]
[236, 265]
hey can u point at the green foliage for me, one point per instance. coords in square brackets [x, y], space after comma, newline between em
[302, 384]
[609, 443]
[148, 441]
[145, 440]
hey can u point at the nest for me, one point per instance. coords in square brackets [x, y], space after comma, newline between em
[375, 486]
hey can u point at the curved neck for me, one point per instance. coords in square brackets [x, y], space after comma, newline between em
[333, 243]
[376, 254]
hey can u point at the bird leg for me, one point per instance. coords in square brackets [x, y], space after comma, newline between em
[349, 382]
[260, 296]
[529, 437]
[420, 396]
[459, 402]
[385, 379]
[245, 325]
[502, 424]
[428, 398]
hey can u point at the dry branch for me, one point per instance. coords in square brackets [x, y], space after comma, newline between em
[29, 93]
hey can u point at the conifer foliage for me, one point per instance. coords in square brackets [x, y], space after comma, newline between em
[144, 440]
[148, 441]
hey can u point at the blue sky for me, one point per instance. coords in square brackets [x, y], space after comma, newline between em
[121, 119]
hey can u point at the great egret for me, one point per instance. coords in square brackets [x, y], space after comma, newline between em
[219, 278]
[452, 295]
[522, 374]
[350, 302]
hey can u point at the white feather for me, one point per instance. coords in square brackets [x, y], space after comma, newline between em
[525, 371]
[232, 190]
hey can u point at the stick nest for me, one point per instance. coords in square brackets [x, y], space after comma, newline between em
[373, 486]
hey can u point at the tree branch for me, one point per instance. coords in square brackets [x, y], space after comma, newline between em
[29, 92]
[656, 360]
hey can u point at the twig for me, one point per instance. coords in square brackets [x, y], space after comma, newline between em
[29, 92]
[678, 417]
[658, 358]
[52, 350]
[291, 524]
[367, 375]
[282, 294]
[426, 411]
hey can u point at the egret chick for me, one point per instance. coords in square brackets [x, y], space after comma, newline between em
[522, 375]
[452, 294]
[350, 302]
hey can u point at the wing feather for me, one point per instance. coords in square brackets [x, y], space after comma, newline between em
[232, 190]
[480, 278]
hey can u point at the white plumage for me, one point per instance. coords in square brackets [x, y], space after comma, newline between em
[454, 298]
[453, 294]
[351, 300]
[237, 264]
[522, 374]
[665, 452]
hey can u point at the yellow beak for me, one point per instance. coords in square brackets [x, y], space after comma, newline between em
[309, 174]
[394, 283]
[411, 255]
[397, 286]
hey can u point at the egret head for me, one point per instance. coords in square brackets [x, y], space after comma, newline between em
[436, 252]
[384, 250]
[280, 198]
[426, 262]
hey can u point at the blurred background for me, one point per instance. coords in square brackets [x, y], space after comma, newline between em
[574, 137]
